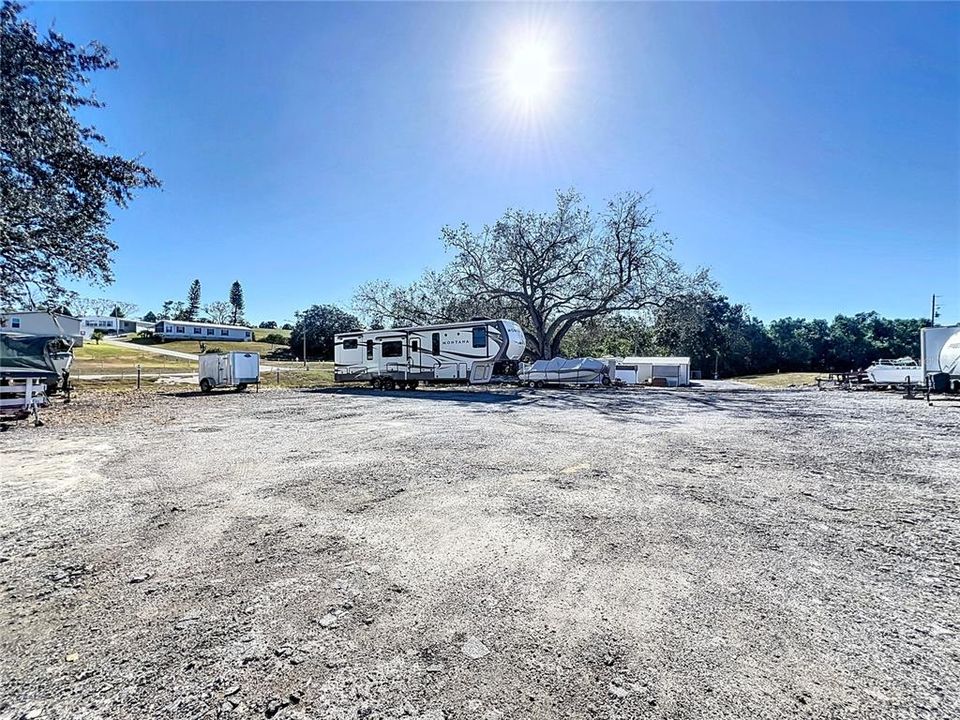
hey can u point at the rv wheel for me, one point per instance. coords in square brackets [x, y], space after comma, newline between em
[205, 385]
[538, 384]
[376, 383]
[605, 380]
[412, 384]
[241, 387]
[401, 385]
[389, 384]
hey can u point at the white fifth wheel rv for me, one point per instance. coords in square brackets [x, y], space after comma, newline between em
[466, 352]
[940, 353]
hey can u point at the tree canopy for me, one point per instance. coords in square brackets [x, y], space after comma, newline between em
[193, 301]
[321, 323]
[218, 311]
[719, 335]
[56, 183]
[550, 271]
[236, 302]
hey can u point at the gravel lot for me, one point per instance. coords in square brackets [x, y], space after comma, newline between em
[713, 552]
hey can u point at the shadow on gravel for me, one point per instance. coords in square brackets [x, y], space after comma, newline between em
[466, 397]
[199, 393]
[628, 405]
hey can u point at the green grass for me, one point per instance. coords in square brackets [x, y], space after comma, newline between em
[109, 359]
[193, 346]
[317, 375]
[263, 332]
[781, 380]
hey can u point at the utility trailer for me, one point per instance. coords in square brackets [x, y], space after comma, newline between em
[22, 397]
[229, 369]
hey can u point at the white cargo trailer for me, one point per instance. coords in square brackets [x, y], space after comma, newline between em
[230, 369]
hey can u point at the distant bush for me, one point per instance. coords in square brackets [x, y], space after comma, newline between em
[97, 336]
[274, 339]
[287, 326]
[268, 325]
[145, 334]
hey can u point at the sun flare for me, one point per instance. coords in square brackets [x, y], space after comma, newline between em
[530, 73]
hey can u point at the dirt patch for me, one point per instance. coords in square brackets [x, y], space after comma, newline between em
[505, 554]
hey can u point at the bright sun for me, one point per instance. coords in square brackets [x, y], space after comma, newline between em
[530, 74]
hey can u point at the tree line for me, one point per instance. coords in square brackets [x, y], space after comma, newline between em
[219, 311]
[723, 337]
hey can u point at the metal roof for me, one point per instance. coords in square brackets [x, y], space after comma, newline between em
[654, 361]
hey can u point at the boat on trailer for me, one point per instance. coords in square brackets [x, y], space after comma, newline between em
[895, 372]
[567, 371]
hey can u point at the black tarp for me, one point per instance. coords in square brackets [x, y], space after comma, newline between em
[28, 355]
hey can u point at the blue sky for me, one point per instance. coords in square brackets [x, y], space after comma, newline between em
[809, 154]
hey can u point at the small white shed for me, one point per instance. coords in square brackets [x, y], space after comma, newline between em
[639, 370]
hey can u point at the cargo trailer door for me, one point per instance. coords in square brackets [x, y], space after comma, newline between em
[245, 367]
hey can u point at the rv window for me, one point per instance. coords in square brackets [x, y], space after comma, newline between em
[198, 331]
[168, 328]
[14, 322]
[369, 349]
[179, 328]
[415, 345]
[394, 348]
[480, 336]
[209, 331]
[350, 344]
[224, 332]
[435, 344]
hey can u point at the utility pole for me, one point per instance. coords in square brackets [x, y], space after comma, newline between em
[933, 311]
[304, 342]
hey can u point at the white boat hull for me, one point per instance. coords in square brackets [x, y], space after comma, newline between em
[894, 375]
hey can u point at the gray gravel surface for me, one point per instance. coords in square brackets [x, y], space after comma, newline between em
[715, 552]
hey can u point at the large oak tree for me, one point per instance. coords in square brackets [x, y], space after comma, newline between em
[56, 182]
[550, 271]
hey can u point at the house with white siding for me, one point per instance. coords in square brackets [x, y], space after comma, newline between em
[110, 325]
[201, 331]
[40, 322]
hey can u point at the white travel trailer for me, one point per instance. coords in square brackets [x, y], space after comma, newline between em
[940, 353]
[466, 352]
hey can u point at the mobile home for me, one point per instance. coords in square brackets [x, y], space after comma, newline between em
[39, 322]
[466, 352]
[110, 325]
[201, 331]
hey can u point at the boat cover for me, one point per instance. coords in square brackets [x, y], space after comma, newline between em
[557, 365]
[28, 355]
